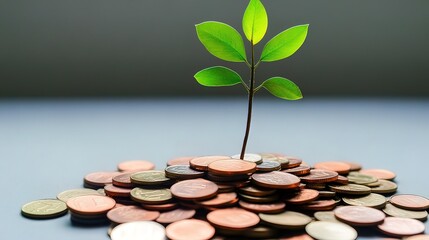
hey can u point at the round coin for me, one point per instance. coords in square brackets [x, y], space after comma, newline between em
[202, 163]
[113, 191]
[372, 200]
[320, 176]
[320, 205]
[147, 178]
[359, 215]
[379, 173]
[43, 209]
[263, 207]
[401, 227]
[250, 157]
[91, 204]
[138, 230]
[284, 162]
[303, 196]
[293, 161]
[339, 167]
[410, 202]
[175, 215]
[352, 189]
[66, 195]
[360, 178]
[287, 219]
[233, 218]
[190, 229]
[179, 161]
[219, 200]
[231, 167]
[324, 230]
[298, 171]
[353, 166]
[268, 166]
[182, 172]
[195, 189]
[325, 216]
[99, 179]
[135, 165]
[385, 187]
[393, 211]
[123, 180]
[131, 214]
[151, 196]
[277, 180]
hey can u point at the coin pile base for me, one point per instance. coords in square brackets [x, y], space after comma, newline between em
[263, 196]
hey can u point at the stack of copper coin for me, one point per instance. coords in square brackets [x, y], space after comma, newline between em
[218, 197]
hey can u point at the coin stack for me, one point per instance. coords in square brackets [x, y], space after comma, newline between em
[223, 197]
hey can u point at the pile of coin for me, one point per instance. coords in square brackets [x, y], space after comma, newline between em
[264, 196]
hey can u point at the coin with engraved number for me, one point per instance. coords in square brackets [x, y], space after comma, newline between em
[90, 205]
[277, 180]
[175, 215]
[232, 218]
[231, 167]
[66, 195]
[287, 219]
[135, 165]
[324, 230]
[379, 173]
[320, 176]
[190, 229]
[410, 202]
[393, 211]
[131, 214]
[339, 167]
[138, 230]
[152, 177]
[359, 215]
[401, 227]
[202, 163]
[372, 200]
[195, 189]
[151, 196]
[45, 208]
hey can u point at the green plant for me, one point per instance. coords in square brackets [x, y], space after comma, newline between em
[226, 43]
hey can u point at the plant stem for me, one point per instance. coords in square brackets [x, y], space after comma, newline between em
[249, 109]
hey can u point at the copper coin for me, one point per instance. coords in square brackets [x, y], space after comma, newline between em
[418, 237]
[233, 218]
[320, 205]
[202, 163]
[278, 180]
[410, 202]
[179, 161]
[161, 207]
[287, 219]
[182, 172]
[379, 173]
[342, 180]
[320, 176]
[131, 214]
[275, 207]
[190, 229]
[359, 215]
[352, 189]
[326, 194]
[385, 187]
[339, 167]
[401, 227]
[113, 191]
[257, 191]
[175, 215]
[303, 196]
[293, 161]
[231, 178]
[195, 189]
[123, 180]
[135, 165]
[224, 188]
[219, 200]
[299, 171]
[91, 204]
[100, 179]
[268, 166]
[231, 167]
[298, 237]
[353, 165]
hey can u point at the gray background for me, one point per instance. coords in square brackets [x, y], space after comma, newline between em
[149, 47]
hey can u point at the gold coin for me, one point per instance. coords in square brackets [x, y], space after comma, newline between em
[287, 219]
[151, 196]
[352, 189]
[386, 186]
[152, 177]
[45, 208]
[393, 211]
[372, 200]
[359, 178]
[324, 230]
[66, 195]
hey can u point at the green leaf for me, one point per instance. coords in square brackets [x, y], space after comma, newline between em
[222, 40]
[255, 21]
[284, 44]
[217, 76]
[282, 88]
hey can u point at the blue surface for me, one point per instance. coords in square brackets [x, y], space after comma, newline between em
[48, 146]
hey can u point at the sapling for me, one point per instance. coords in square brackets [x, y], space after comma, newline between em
[226, 43]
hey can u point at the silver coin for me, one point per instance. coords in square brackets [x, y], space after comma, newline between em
[250, 157]
[138, 230]
[324, 230]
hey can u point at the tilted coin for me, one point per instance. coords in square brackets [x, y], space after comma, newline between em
[99, 179]
[287, 219]
[374, 184]
[319, 205]
[284, 162]
[339, 167]
[410, 202]
[66, 195]
[257, 191]
[275, 207]
[326, 216]
[232, 218]
[401, 227]
[152, 177]
[91, 204]
[131, 214]
[202, 163]
[342, 180]
[135, 165]
[231, 167]
[385, 187]
[195, 189]
[161, 207]
[151, 196]
[353, 165]
[352, 189]
[324, 230]
[175, 215]
[250, 157]
[303, 196]
[45, 208]
[277, 180]
[220, 200]
[190, 229]
[359, 215]
[293, 161]
[298, 171]
[182, 172]
[123, 180]
[263, 199]
[113, 191]
[379, 173]
[268, 166]
[138, 230]
[360, 178]
[320, 176]
[393, 211]
[372, 200]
